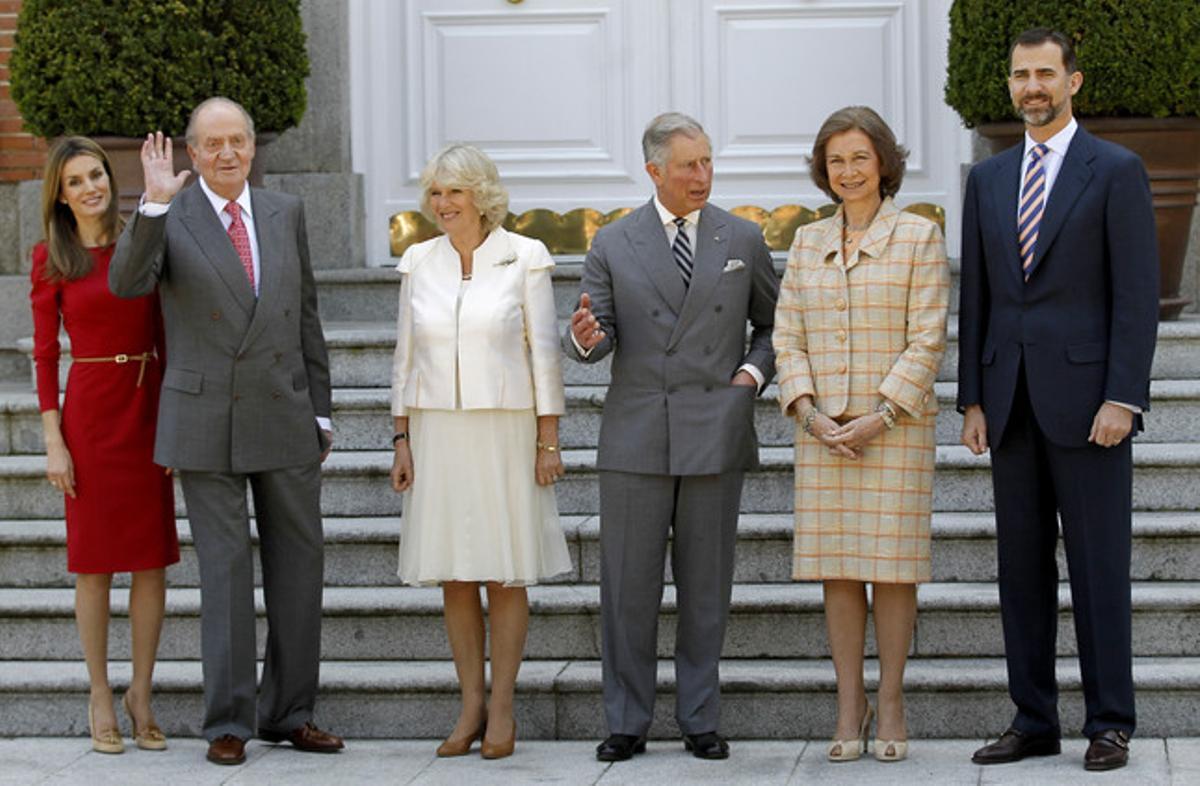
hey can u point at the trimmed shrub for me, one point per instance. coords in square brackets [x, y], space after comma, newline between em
[1138, 57]
[126, 67]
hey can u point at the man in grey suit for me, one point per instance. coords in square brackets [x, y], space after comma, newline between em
[245, 402]
[668, 291]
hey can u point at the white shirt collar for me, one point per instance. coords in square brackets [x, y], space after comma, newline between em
[218, 202]
[667, 217]
[1057, 143]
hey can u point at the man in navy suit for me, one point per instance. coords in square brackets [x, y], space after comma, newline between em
[1058, 322]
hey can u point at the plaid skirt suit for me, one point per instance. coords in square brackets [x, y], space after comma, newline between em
[850, 333]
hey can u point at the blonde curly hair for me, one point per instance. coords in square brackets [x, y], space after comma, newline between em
[469, 168]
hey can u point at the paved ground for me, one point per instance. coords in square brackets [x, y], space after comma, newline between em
[931, 763]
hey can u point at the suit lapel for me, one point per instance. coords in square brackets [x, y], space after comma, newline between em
[1004, 193]
[654, 256]
[201, 221]
[270, 263]
[874, 243]
[712, 243]
[1073, 177]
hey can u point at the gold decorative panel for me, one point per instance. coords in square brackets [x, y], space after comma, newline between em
[572, 232]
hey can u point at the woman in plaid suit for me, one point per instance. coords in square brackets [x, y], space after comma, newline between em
[860, 329]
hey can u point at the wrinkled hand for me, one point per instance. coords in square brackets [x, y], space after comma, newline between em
[548, 467]
[584, 325]
[158, 169]
[60, 469]
[974, 430]
[858, 432]
[1111, 425]
[823, 429]
[402, 467]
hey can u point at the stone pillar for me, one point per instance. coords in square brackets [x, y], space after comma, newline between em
[313, 160]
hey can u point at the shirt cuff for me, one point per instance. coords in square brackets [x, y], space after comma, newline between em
[583, 353]
[152, 209]
[1135, 410]
[325, 424]
[754, 372]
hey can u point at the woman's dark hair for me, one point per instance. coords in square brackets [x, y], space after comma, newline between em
[68, 259]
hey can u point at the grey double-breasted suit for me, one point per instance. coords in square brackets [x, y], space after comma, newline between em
[245, 379]
[675, 439]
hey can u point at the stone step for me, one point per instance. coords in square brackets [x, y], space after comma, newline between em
[561, 699]
[373, 293]
[765, 621]
[355, 483]
[361, 355]
[362, 551]
[362, 417]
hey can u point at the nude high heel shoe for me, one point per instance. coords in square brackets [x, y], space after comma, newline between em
[891, 750]
[852, 749]
[150, 738]
[461, 746]
[106, 741]
[501, 749]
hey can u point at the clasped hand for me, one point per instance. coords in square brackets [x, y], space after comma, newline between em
[849, 439]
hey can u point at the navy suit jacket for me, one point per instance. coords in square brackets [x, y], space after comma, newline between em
[1086, 321]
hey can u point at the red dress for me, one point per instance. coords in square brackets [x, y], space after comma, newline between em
[123, 515]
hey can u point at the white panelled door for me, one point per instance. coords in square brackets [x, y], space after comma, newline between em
[558, 92]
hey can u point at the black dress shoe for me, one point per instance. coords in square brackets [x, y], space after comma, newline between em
[1108, 751]
[708, 745]
[1015, 745]
[620, 747]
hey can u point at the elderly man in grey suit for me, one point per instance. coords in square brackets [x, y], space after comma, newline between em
[245, 402]
[668, 291]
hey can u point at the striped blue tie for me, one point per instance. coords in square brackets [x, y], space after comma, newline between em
[1033, 203]
[682, 248]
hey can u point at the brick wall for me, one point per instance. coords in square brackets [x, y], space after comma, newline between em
[21, 155]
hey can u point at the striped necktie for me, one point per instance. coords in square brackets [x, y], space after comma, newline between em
[682, 249]
[1033, 203]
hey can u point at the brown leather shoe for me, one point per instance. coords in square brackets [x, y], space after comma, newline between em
[227, 749]
[1015, 745]
[1109, 750]
[305, 738]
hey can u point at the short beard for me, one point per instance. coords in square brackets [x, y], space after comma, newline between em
[1041, 117]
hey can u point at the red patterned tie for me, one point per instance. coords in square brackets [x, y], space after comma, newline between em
[241, 239]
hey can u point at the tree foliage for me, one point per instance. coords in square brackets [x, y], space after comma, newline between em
[125, 67]
[1138, 57]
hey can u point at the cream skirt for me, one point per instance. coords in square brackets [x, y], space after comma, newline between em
[475, 511]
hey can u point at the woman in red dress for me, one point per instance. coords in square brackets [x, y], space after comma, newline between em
[120, 507]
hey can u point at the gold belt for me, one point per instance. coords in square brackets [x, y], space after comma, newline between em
[121, 359]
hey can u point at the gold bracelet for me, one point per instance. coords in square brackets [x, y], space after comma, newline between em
[548, 447]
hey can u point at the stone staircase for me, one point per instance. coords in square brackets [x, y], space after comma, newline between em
[386, 669]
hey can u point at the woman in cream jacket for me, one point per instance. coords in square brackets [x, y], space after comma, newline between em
[476, 396]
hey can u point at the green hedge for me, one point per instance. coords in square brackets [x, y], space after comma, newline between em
[125, 67]
[1138, 57]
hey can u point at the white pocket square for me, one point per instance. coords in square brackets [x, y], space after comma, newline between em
[732, 265]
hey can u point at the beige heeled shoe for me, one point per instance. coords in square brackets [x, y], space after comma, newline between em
[852, 749]
[106, 741]
[499, 750]
[150, 738]
[461, 746]
[891, 750]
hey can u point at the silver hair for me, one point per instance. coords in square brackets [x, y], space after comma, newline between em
[190, 134]
[656, 140]
[469, 168]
